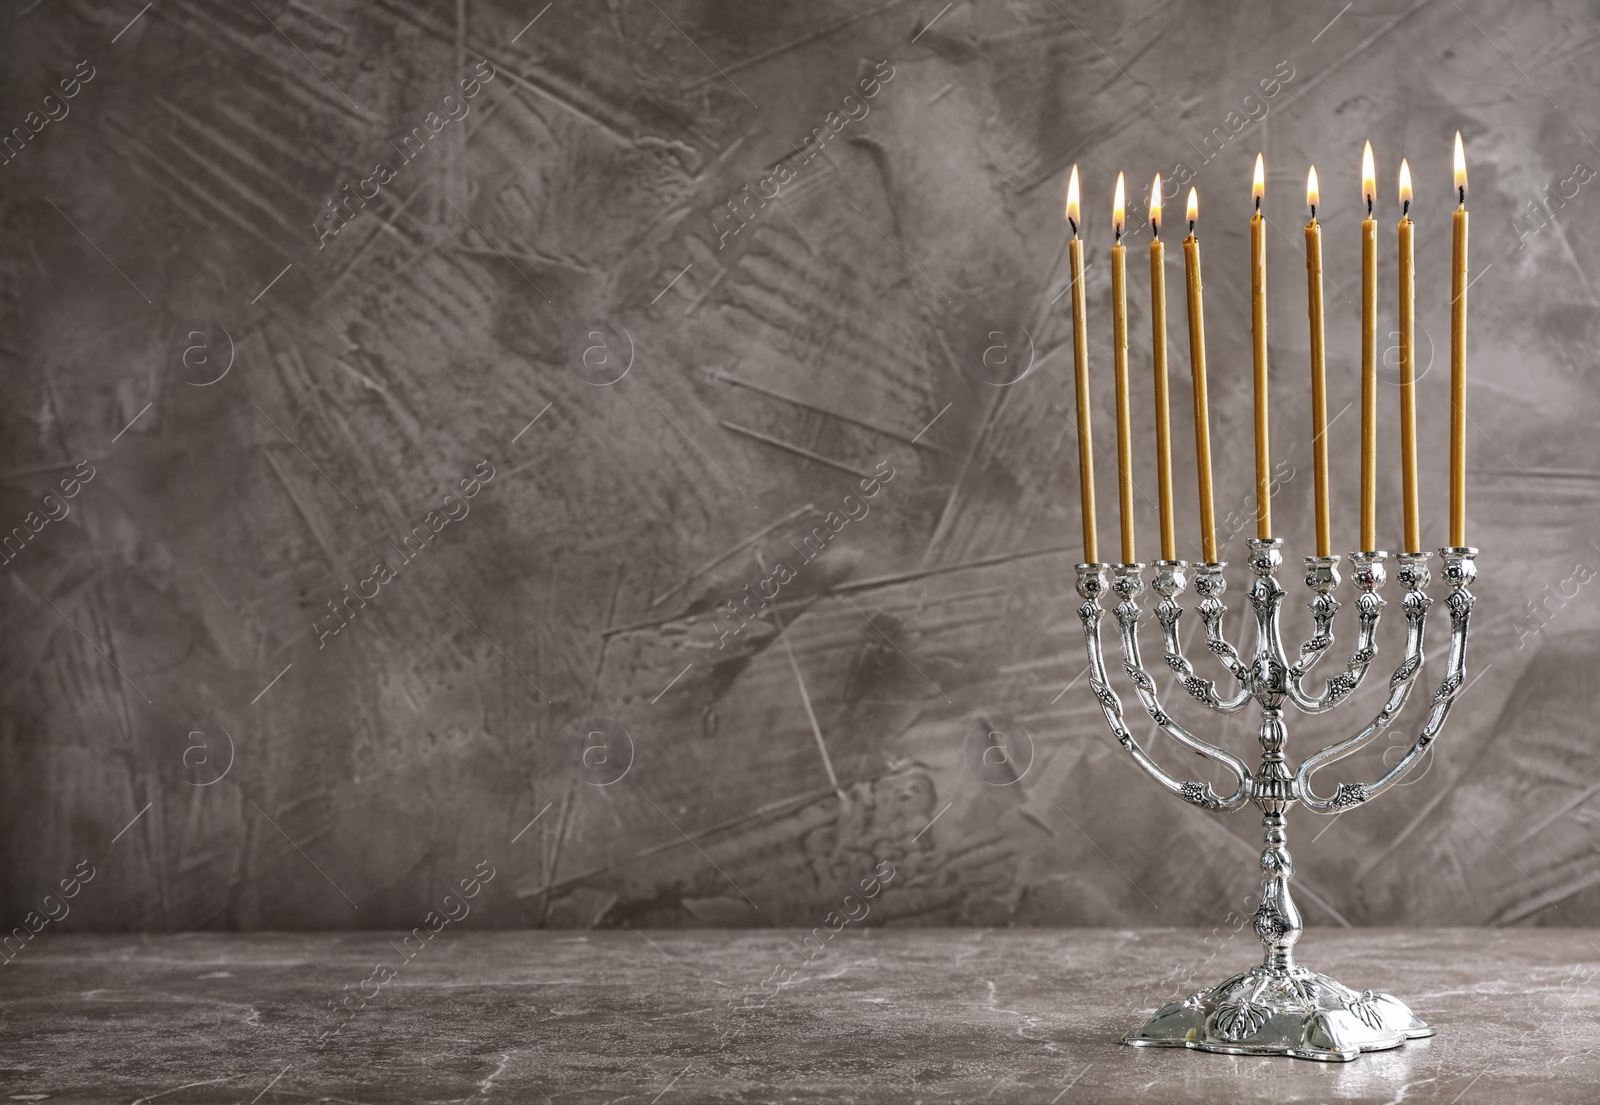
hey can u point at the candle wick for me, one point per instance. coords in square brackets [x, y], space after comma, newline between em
[1073, 225]
[1191, 228]
[1155, 228]
[1463, 195]
[1405, 209]
[1369, 205]
[1313, 212]
[1119, 233]
[1258, 204]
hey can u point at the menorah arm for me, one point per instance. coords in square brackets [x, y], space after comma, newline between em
[1322, 576]
[1091, 584]
[1460, 570]
[1169, 584]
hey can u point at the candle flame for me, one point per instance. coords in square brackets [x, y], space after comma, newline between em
[1258, 186]
[1117, 205]
[1369, 176]
[1194, 207]
[1072, 201]
[1155, 204]
[1461, 169]
[1405, 183]
[1311, 191]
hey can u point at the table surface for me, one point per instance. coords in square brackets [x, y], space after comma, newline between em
[754, 1015]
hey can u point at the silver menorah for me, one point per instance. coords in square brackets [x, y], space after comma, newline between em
[1279, 1007]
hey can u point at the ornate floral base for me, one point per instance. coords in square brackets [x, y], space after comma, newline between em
[1293, 1012]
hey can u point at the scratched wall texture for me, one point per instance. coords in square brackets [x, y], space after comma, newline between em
[268, 409]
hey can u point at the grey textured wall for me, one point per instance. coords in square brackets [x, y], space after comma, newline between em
[268, 408]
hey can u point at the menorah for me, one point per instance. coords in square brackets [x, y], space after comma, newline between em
[1279, 1007]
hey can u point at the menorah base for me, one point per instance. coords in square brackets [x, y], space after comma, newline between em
[1294, 1012]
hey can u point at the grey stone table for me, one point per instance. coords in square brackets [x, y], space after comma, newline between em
[754, 1015]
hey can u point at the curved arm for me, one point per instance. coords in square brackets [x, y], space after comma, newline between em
[1209, 584]
[1322, 576]
[1460, 569]
[1128, 583]
[1169, 585]
[1414, 575]
[1091, 585]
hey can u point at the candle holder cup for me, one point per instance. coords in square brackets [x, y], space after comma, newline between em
[1278, 1007]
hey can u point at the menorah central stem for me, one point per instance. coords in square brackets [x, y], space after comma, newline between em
[1277, 920]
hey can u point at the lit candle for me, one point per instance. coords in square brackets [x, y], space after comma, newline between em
[1119, 351]
[1369, 357]
[1458, 356]
[1197, 373]
[1258, 315]
[1158, 346]
[1080, 355]
[1319, 382]
[1408, 381]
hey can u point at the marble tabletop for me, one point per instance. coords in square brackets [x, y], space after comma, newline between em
[870, 1015]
